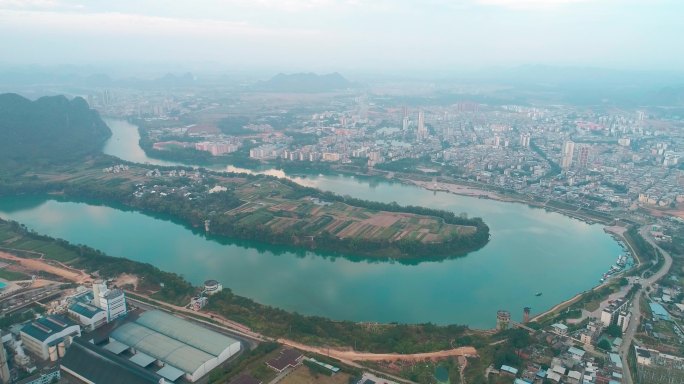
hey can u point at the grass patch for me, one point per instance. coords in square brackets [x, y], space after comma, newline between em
[13, 275]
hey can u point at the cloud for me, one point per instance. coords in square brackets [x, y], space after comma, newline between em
[138, 25]
[530, 4]
[37, 4]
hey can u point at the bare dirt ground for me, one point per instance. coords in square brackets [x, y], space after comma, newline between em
[74, 275]
[126, 279]
[456, 189]
[351, 355]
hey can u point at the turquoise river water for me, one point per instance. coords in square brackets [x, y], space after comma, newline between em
[531, 250]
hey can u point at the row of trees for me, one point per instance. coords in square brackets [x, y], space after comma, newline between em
[384, 338]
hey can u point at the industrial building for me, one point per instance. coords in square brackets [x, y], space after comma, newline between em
[180, 347]
[48, 336]
[112, 301]
[90, 364]
[88, 315]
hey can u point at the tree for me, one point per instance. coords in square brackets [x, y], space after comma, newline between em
[614, 330]
[604, 344]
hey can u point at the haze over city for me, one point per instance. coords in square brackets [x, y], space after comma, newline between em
[342, 192]
[344, 35]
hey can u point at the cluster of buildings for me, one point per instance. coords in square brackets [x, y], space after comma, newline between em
[97, 339]
[211, 287]
[119, 168]
[607, 161]
[572, 365]
[219, 148]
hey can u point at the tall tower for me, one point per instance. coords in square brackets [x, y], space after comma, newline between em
[503, 318]
[405, 120]
[99, 289]
[422, 131]
[568, 152]
[583, 156]
[525, 140]
[526, 314]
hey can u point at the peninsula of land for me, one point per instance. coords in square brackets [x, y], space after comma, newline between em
[240, 206]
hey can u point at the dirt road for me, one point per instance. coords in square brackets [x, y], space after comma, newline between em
[71, 274]
[350, 355]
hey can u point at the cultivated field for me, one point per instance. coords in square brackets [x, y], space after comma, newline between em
[303, 375]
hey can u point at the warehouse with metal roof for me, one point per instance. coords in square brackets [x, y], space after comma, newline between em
[48, 336]
[183, 347]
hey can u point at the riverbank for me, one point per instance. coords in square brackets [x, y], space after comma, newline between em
[618, 233]
[239, 312]
[267, 209]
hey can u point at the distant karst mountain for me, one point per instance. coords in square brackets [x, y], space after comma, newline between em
[50, 129]
[304, 82]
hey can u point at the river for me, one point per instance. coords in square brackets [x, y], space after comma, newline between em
[531, 250]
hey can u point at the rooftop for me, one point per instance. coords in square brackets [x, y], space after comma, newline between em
[643, 352]
[113, 294]
[204, 339]
[287, 358]
[102, 367]
[47, 326]
[509, 369]
[615, 359]
[179, 343]
[84, 309]
[659, 311]
[162, 347]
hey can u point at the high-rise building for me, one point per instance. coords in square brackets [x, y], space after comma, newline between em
[525, 140]
[583, 156]
[4, 368]
[422, 132]
[568, 152]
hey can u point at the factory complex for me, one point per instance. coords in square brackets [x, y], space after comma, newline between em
[97, 338]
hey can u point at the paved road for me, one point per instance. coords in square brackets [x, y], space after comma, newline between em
[636, 305]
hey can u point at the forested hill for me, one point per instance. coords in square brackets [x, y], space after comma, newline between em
[48, 130]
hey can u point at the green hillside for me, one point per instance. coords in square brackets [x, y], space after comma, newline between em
[48, 130]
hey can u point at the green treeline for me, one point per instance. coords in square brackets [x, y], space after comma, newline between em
[171, 287]
[644, 250]
[378, 338]
[273, 322]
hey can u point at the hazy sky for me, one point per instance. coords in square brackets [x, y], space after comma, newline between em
[325, 35]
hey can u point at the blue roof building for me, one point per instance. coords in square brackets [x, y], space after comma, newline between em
[659, 311]
[511, 370]
[615, 359]
[44, 335]
[88, 315]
